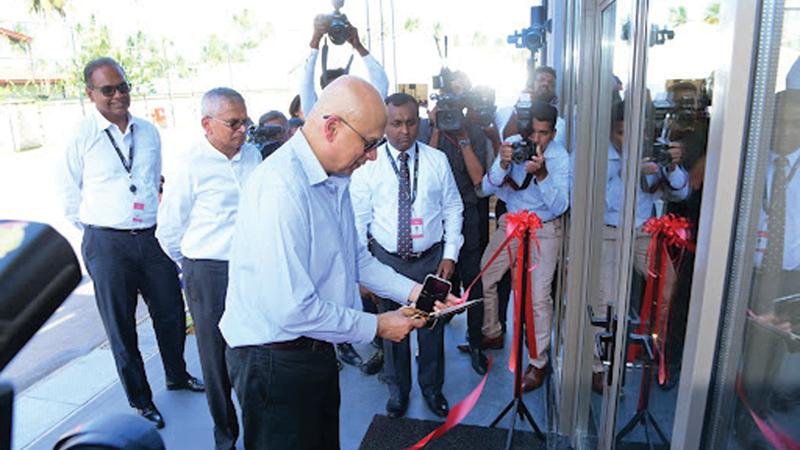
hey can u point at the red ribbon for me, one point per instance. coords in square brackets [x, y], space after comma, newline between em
[457, 413]
[771, 431]
[516, 225]
[669, 231]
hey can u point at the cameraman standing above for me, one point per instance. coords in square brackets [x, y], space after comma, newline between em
[532, 173]
[308, 95]
[463, 147]
[543, 90]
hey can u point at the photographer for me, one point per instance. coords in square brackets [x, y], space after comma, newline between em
[308, 95]
[543, 90]
[464, 148]
[532, 173]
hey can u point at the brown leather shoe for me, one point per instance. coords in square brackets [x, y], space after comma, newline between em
[494, 343]
[533, 378]
[597, 382]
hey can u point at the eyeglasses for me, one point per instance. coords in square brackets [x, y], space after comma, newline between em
[235, 124]
[368, 145]
[110, 90]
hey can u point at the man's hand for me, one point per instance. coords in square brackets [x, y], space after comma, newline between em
[506, 152]
[648, 167]
[450, 301]
[321, 23]
[676, 152]
[446, 268]
[355, 41]
[432, 116]
[536, 165]
[395, 326]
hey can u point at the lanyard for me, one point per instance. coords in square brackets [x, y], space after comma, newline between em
[416, 170]
[127, 164]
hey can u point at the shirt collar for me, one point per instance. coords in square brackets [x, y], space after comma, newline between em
[311, 166]
[612, 152]
[217, 153]
[104, 124]
[792, 157]
[396, 153]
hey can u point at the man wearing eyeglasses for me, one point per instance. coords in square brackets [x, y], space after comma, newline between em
[295, 269]
[195, 227]
[109, 178]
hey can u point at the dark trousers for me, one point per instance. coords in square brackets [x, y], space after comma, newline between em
[504, 287]
[206, 283]
[397, 356]
[121, 265]
[289, 398]
[468, 267]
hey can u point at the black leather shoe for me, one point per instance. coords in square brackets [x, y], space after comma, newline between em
[348, 354]
[374, 364]
[191, 384]
[463, 348]
[150, 413]
[437, 403]
[396, 406]
[479, 360]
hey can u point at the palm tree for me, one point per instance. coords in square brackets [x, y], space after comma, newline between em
[44, 7]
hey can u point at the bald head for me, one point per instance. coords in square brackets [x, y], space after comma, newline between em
[349, 114]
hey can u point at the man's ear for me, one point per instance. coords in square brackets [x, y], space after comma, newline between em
[329, 128]
[205, 122]
[90, 93]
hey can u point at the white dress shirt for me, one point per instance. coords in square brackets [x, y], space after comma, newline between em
[438, 205]
[548, 198]
[308, 95]
[94, 186]
[198, 208]
[791, 235]
[296, 262]
[676, 187]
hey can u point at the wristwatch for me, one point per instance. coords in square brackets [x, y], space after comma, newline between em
[463, 143]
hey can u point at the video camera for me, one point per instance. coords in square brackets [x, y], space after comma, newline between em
[450, 105]
[338, 25]
[266, 138]
[534, 37]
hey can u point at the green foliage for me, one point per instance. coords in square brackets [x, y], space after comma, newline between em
[677, 16]
[246, 34]
[712, 14]
[143, 58]
[48, 7]
[411, 24]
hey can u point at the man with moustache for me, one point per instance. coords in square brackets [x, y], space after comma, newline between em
[408, 202]
[295, 269]
[195, 227]
[109, 178]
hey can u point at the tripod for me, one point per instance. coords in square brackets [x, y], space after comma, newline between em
[643, 416]
[516, 403]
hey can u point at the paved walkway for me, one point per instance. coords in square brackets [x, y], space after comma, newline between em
[88, 388]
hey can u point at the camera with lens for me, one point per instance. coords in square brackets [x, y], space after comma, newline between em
[660, 154]
[449, 105]
[534, 37]
[338, 25]
[523, 151]
[480, 100]
[266, 138]
[524, 111]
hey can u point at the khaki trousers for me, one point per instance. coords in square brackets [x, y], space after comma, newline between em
[541, 282]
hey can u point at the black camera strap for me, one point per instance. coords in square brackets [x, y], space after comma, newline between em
[416, 170]
[519, 187]
[126, 163]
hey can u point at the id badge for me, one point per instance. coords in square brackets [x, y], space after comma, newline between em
[138, 209]
[761, 241]
[416, 228]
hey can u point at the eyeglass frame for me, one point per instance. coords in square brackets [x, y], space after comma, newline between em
[247, 123]
[123, 88]
[368, 146]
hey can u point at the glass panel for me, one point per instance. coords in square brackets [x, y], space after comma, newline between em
[668, 189]
[766, 393]
[610, 174]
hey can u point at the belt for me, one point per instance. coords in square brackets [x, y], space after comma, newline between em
[301, 343]
[417, 255]
[133, 231]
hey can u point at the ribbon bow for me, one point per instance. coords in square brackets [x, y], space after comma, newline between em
[668, 231]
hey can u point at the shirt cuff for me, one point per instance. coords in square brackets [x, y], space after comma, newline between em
[450, 251]
[366, 327]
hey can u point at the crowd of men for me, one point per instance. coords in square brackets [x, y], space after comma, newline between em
[288, 262]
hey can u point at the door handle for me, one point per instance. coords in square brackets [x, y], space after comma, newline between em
[605, 341]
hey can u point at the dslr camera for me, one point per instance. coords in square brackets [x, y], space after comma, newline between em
[266, 138]
[523, 151]
[338, 25]
[661, 154]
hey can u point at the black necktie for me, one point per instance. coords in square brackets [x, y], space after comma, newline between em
[404, 245]
[776, 220]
